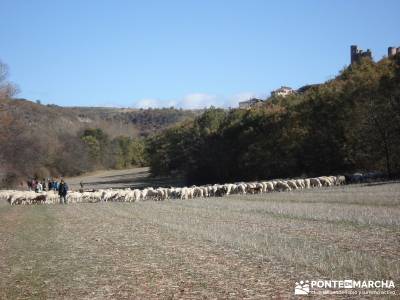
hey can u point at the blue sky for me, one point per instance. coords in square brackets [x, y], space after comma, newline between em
[184, 53]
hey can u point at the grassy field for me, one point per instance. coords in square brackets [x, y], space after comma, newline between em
[254, 246]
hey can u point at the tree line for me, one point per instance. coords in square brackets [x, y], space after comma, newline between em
[348, 124]
[26, 154]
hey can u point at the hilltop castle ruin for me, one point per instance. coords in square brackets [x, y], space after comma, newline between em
[392, 51]
[356, 54]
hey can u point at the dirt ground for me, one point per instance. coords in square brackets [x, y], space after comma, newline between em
[235, 247]
[135, 177]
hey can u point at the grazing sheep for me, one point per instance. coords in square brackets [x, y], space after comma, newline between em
[264, 186]
[253, 188]
[184, 193]
[340, 180]
[220, 190]
[325, 181]
[307, 183]
[241, 188]
[6, 194]
[314, 182]
[205, 191]
[52, 198]
[229, 188]
[292, 184]
[270, 186]
[282, 186]
[300, 183]
[259, 188]
[137, 194]
[144, 194]
[159, 194]
[197, 192]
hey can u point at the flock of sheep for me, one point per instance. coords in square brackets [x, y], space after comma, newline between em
[183, 193]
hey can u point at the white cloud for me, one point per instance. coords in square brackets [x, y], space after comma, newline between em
[198, 101]
[147, 103]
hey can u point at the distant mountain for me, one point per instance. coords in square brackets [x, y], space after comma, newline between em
[114, 121]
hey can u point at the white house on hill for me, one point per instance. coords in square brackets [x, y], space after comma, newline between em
[283, 91]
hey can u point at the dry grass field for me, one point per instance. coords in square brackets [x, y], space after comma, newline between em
[120, 179]
[235, 247]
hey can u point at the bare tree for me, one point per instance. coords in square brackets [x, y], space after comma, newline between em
[7, 89]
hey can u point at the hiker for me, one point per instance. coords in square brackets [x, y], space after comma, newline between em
[62, 191]
[44, 185]
[34, 183]
[29, 183]
[39, 187]
[55, 185]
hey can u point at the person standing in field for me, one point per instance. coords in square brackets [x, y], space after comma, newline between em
[55, 185]
[62, 191]
[34, 183]
[44, 185]
[39, 187]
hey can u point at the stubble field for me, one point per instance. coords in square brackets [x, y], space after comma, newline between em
[235, 247]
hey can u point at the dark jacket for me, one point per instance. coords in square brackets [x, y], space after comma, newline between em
[63, 189]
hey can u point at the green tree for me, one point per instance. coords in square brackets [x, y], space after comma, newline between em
[348, 124]
[94, 147]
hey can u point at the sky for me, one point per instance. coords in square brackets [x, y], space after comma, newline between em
[187, 53]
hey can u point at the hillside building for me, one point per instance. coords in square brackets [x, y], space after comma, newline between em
[250, 103]
[283, 91]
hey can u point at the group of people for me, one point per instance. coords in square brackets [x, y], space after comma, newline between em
[50, 185]
[43, 185]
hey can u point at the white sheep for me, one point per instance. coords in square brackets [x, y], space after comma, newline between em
[184, 193]
[307, 183]
[325, 181]
[282, 186]
[300, 183]
[292, 184]
[315, 182]
[340, 180]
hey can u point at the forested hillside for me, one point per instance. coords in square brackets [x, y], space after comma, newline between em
[348, 124]
[48, 140]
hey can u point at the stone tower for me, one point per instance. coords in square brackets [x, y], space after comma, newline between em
[392, 51]
[353, 53]
[356, 54]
